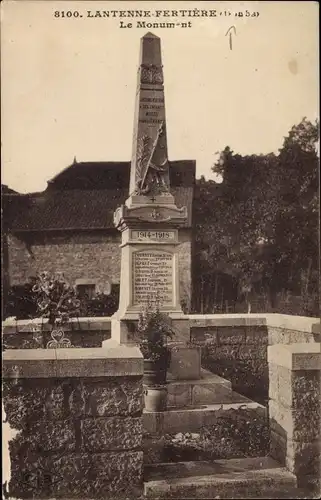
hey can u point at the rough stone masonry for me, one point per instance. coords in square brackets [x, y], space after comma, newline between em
[77, 417]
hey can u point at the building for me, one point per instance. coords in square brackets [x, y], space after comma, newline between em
[69, 226]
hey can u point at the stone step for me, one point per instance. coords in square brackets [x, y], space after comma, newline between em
[260, 477]
[193, 417]
[210, 388]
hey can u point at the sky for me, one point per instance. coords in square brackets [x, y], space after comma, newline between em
[69, 84]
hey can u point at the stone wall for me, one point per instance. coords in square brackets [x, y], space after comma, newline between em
[79, 417]
[295, 410]
[238, 354]
[79, 256]
[234, 346]
[86, 255]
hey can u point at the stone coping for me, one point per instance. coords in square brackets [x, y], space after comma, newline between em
[284, 321]
[11, 325]
[298, 356]
[119, 361]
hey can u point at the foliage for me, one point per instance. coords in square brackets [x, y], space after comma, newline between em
[21, 302]
[260, 225]
[154, 330]
[100, 305]
[236, 433]
[247, 373]
[56, 299]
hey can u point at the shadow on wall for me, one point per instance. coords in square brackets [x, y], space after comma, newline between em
[238, 354]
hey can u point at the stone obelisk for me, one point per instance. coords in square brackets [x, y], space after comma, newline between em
[149, 168]
[149, 220]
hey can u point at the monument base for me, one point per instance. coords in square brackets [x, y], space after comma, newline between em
[123, 327]
[166, 199]
[185, 359]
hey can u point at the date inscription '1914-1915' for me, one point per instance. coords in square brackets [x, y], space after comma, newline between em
[160, 236]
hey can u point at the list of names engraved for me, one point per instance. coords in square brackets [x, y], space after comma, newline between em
[153, 277]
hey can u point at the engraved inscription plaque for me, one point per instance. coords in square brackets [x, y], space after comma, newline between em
[153, 277]
[161, 236]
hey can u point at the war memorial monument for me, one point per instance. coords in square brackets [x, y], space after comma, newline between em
[149, 220]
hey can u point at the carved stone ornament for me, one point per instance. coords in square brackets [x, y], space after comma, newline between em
[125, 217]
[144, 146]
[117, 216]
[152, 175]
[151, 74]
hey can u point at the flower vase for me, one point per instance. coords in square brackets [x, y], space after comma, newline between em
[155, 398]
[154, 372]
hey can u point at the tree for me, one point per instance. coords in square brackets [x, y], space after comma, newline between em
[296, 227]
[260, 225]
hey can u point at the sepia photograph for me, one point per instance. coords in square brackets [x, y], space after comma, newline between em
[160, 252]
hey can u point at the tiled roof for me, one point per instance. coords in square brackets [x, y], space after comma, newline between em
[6, 190]
[85, 196]
[92, 175]
[115, 175]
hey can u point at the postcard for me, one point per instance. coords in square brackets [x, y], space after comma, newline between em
[160, 242]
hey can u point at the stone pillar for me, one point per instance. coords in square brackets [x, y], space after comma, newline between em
[294, 410]
[79, 417]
